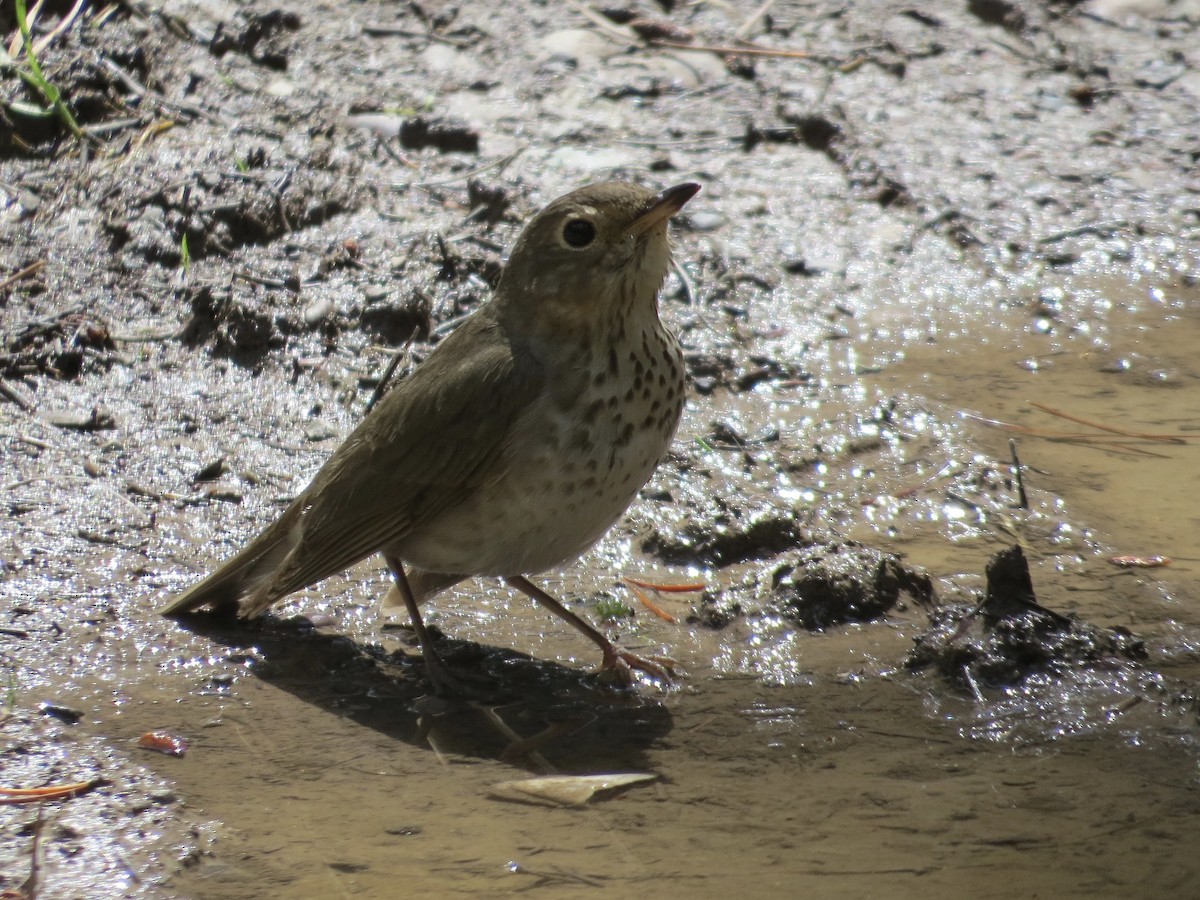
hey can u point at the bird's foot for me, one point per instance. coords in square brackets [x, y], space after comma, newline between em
[619, 665]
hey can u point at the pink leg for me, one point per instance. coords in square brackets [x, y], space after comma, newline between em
[615, 659]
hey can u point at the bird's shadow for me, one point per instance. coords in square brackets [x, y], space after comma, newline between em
[531, 712]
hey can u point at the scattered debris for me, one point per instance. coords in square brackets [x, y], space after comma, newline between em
[50, 793]
[162, 742]
[66, 714]
[96, 419]
[445, 135]
[1140, 562]
[564, 790]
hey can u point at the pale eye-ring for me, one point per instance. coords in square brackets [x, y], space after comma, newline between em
[579, 233]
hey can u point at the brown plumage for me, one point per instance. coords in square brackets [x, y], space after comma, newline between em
[517, 443]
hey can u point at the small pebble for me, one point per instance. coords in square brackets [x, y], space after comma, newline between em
[705, 221]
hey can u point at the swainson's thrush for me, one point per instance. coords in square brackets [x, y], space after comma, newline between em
[519, 441]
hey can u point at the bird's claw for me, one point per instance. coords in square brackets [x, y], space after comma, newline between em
[619, 665]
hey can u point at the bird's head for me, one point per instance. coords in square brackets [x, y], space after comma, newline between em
[592, 255]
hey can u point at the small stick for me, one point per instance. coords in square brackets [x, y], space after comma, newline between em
[970, 679]
[16, 397]
[111, 126]
[1100, 228]
[1129, 448]
[31, 269]
[29, 887]
[26, 439]
[381, 388]
[1022, 500]
[1139, 562]
[689, 588]
[746, 27]
[649, 604]
[1076, 436]
[149, 336]
[60, 27]
[11, 796]
[1164, 438]
[500, 164]
[734, 51]
[395, 31]
[613, 32]
[263, 280]
[1105, 441]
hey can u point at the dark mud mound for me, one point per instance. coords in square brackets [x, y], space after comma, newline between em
[819, 586]
[1009, 636]
[833, 584]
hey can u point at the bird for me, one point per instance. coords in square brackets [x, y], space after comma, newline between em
[518, 442]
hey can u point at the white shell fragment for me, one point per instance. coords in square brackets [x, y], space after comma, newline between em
[563, 790]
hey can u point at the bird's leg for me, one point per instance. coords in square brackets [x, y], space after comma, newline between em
[440, 676]
[615, 659]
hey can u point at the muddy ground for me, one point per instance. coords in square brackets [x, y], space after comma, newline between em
[914, 243]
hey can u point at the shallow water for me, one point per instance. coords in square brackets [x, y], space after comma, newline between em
[787, 761]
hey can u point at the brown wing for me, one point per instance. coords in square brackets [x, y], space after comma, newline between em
[432, 438]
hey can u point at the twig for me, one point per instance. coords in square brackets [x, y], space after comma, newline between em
[62, 26]
[686, 588]
[1022, 500]
[734, 51]
[1078, 437]
[500, 164]
[913, 490]
[970, 680]
[29, 887]
[650, 604]
[112, 126]
[1098, 228]
[746, 27]
[636, 585]
[626, 36]
[263, 280]
[396, 31]
[31, 269]
[26, 439]
[1140, 451]
[614, 32]
[1104, 441]
[16, 397]
[381, 387]
[1163, 438]
[148, 337]
[12, 796]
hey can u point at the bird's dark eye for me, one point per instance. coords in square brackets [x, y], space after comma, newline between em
[579, 232]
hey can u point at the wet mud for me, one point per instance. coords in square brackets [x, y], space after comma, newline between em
[935, 488]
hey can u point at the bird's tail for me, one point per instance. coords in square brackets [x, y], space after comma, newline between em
[247, 575]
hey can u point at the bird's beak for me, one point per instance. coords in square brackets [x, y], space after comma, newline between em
[665, 205]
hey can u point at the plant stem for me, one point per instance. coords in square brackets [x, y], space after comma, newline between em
[38, 80]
